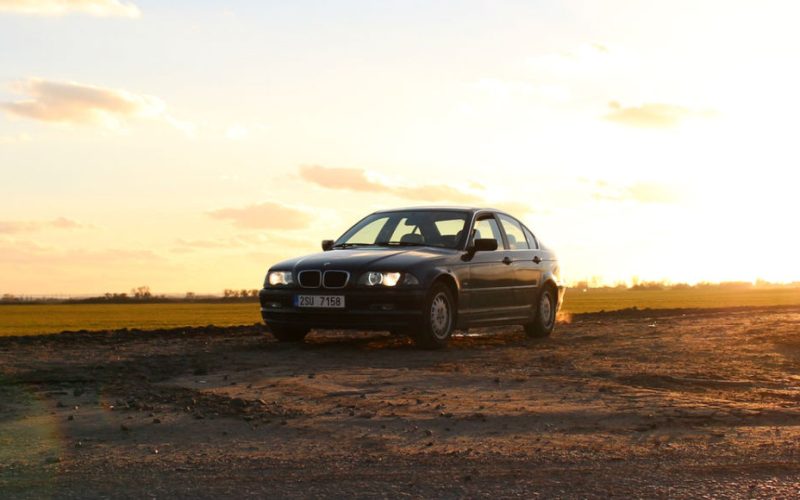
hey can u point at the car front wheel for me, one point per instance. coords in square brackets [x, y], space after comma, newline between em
[544, 315]
[438, 319]
[289, 333]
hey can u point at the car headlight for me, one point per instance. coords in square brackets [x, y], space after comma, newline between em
[375, 278]
[278, 278]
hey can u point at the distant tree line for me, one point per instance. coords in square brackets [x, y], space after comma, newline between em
[144, 294]
[229, 293]
[636, 284]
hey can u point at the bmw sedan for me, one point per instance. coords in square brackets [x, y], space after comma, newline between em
[423, 272]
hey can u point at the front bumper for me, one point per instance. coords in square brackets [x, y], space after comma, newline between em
[378, 309]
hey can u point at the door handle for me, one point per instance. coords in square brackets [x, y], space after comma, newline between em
[537, 259]
[506, 260]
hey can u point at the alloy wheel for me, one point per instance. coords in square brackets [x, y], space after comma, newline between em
[441, 316]
[546, 310]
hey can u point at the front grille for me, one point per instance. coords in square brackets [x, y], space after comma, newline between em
[309, 279]
[336, 279]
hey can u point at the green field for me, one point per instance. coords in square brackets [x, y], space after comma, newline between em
[52, 318]
[600, 299]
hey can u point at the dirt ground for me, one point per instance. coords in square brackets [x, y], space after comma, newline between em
[686, 403]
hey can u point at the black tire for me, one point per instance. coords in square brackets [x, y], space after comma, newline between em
[438, 318]
[544, 315]
[289, 333]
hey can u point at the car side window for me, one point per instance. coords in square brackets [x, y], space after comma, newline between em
[514, 233]
[531, 238]
[450, 231]
[487, 228]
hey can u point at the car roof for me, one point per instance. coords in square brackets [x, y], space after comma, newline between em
[444, 208]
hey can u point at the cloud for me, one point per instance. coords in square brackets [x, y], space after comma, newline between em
[98, 8]
[15, 139]
[12, 227]
[254, 240]
[651, 115]
[29, 253]
[355, 179]
[645, 192]
[207, 244]
[641, 192]
[265, 215]
[589, 61]
[515, 208]
[29, 267]
[237, 132]
[435, 193]
[77, 103]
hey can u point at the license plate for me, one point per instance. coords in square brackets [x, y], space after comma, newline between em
[320, 301]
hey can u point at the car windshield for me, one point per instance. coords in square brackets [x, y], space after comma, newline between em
[437, 228]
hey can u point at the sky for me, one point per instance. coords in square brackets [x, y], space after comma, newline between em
[187, 146]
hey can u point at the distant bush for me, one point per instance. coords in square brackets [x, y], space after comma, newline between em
[7, 297]
[728, 285]
[141, 292]
[239, 294]
[648, 285]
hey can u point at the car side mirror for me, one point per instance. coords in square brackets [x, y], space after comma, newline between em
[485, 245]
[327, 245]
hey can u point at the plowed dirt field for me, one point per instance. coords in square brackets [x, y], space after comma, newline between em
[680, 403]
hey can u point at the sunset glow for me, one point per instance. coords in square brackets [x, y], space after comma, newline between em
[189, 145]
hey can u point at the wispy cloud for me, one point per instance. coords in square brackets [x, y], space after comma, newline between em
[99, 8]
[12, 227]
[356, 179]
[29, 253]
[15, 139]
[237, 132]
[582, 59]
[515, 208]
[265, 215]
[435, 193]
[77, 103]
[353, 179]
[641, 192]
[251, 240]
[208, 244]
[651, 115]
[561, 77]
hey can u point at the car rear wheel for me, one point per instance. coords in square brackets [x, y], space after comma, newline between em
[438, 318]
[289, 333]
[544, 315]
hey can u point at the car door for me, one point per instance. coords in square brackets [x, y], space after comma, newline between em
[525, 261]
[490, 275]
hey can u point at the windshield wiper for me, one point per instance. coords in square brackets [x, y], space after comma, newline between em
[401, 244]
[350, 245]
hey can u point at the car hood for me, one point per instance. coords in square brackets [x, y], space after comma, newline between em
[361, 259]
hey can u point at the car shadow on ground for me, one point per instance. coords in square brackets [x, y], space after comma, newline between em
[461, 340]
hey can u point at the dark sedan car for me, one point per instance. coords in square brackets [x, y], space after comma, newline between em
[418, 271]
